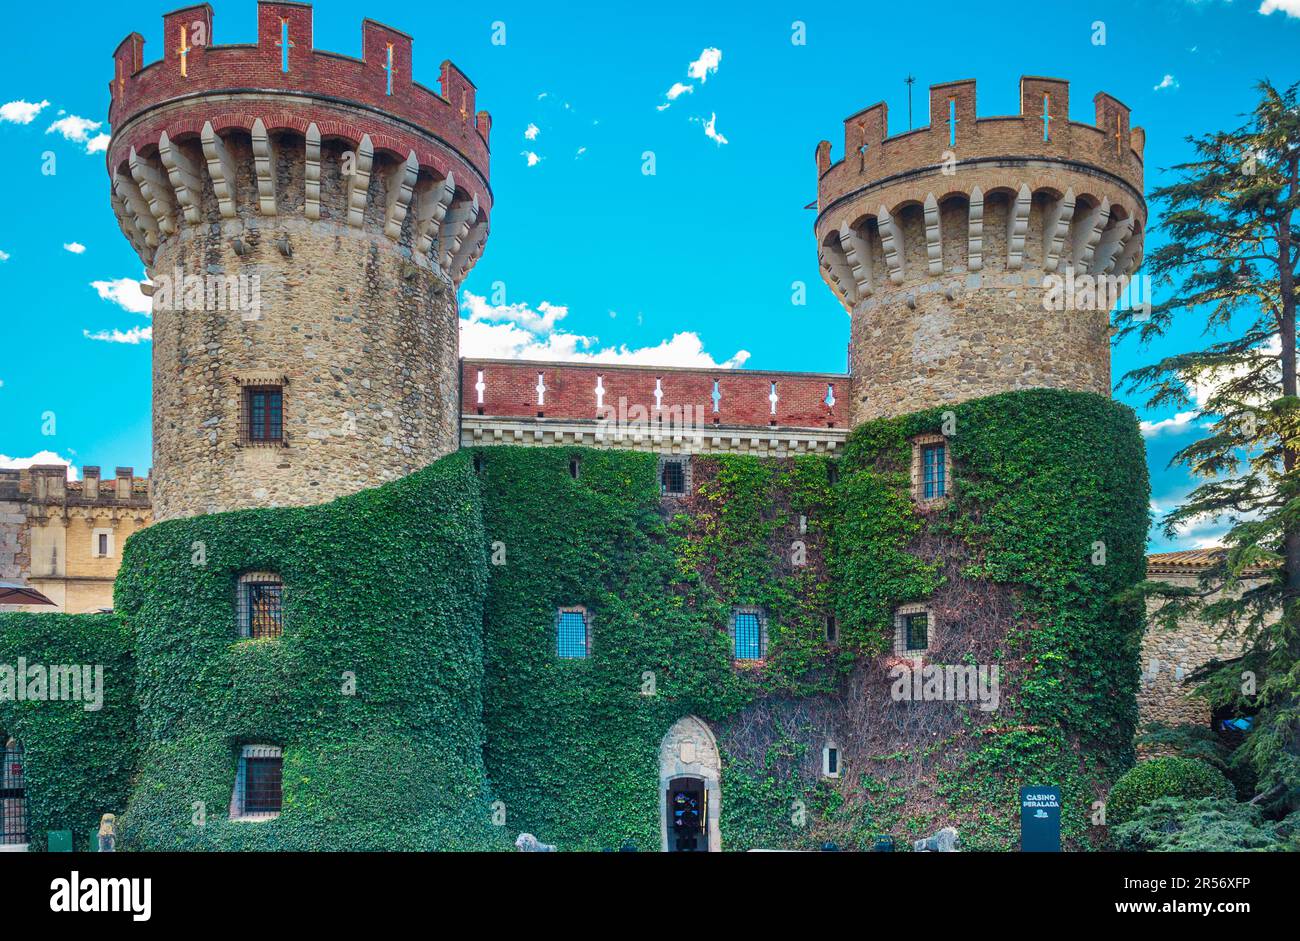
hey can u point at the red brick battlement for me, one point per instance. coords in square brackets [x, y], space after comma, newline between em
[509, 389]
[398, 119]
[1109, 144]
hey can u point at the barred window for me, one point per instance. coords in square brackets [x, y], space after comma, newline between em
[258, 782]
[13, 795]
[572, 633]
[748, 634]
[934, 482]
[917, 630]
[261, 605]
[673, 478]
[262, 418]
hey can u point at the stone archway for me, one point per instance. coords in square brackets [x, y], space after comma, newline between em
[689, 750]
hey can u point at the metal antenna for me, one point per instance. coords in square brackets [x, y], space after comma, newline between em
[910, 80]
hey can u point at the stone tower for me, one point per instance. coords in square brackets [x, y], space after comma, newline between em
[304, 218]
[950, 245]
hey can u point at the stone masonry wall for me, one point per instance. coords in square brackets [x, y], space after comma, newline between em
[363, 340]
[1169, 657]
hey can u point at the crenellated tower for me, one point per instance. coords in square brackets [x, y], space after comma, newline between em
[957, 248]
[304, 218]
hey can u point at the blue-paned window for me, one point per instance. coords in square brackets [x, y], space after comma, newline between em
[749, 636]
[571, 641]
[934, 480]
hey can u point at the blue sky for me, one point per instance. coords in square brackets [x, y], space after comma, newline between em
[589, 256]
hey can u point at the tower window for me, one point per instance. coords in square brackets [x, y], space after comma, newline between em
[672, 478]
[832, 630]
[748, 634]
[261, 605]
[575, 467]
[262, 421]
[572, 634]
[913, 627]
[931, 470]
[258, 793]
[934, 481]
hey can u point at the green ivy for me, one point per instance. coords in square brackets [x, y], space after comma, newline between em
[78, 762]
[373, 692]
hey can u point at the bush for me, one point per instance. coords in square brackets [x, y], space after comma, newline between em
[1163, 777]
[1208, 824]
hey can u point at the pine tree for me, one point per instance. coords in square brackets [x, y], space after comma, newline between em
[1230, 262]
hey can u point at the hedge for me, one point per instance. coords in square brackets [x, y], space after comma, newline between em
[1150, 780]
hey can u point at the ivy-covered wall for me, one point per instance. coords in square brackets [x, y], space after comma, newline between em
[78, 761]
[373, 692]
[417, 679]
[1047, 524]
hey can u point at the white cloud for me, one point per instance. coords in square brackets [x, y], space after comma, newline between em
[1167, 82]
[133, 336]
[40, 457]
[531, 158]
[711, 129]
[531, 132]
[706, 65]
[581, 151]
[98, 144]
[21, 112]
[75, 247]
[1289, 7]
[517, 331]
[74, 128]
[125, 293]
[4, 255]
[1179, 423]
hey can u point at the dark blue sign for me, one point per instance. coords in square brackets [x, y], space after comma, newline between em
[1040, 819]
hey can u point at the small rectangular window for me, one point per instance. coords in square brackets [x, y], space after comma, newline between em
[832, 761]
[261, 606]
[934, 484]
[832, 630]
[917, 631]
[673, 479]
[571, 641]
[263, 415]
[103, 544]
[262, 785]
[749, 636]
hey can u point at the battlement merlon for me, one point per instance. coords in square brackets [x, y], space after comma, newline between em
[381, 81]
[1042, 129]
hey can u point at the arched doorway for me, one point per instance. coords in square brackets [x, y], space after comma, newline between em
[690, 796]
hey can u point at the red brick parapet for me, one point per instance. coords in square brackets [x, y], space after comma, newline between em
[745, 398]
[345, 97]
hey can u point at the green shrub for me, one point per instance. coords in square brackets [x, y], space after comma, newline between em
[1163, 777]
[1207, 824]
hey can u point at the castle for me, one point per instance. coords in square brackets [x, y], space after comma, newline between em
[740, 558]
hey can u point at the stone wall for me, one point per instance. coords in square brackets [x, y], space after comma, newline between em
[363, 341]
[50, 528]
[1170, 656]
